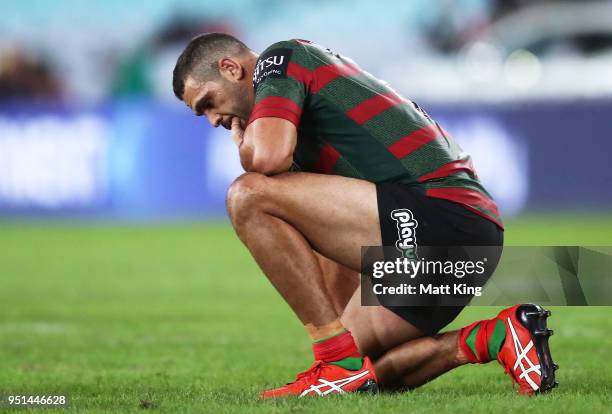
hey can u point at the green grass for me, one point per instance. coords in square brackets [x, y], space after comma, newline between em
[179, 316]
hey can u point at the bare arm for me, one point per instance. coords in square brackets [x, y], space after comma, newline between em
[266, 146]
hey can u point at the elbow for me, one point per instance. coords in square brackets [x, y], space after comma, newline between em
[270, 166]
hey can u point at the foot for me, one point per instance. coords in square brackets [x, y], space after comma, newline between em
[323, 378]
[525, 353]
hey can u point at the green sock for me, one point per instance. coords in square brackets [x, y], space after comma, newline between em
[497, 339]
[350, 363]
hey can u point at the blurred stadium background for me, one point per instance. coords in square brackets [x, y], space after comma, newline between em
[89, 126]
[121, 283]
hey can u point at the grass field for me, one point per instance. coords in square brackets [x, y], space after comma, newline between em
[177, 318]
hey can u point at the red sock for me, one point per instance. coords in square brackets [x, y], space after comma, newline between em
[336, 348]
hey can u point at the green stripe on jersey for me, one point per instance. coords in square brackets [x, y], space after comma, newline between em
[428, 157]
[394, 123]
[346, 93]
[287, 88]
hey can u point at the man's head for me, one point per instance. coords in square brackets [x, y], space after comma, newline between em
[213, 76]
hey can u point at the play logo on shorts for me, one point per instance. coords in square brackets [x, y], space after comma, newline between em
[406, 232]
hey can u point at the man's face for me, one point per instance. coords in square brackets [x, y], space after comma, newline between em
[219, 100]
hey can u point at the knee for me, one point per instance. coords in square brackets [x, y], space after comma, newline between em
[245, 197]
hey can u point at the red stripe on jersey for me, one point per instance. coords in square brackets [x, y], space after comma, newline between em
[327, 73]
[448, 169]
[277, 107]
[414, 141]
[300, 73]
[470, 199]
[327, 159]
[369, 108]
[315, 80]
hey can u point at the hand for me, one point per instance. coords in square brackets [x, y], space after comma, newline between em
[237, 131]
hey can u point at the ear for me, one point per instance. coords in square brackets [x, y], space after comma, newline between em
[231, 69]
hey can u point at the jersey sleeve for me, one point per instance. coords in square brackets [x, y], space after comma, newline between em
[281, 82]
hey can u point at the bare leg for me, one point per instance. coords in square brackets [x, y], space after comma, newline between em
[340, 282]
[418, 361]
[284, 219]
[281, 219]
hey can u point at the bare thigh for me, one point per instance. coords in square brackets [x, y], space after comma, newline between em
[337, 215]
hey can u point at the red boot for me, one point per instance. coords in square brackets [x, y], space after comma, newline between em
[323, 378]
[525, 353]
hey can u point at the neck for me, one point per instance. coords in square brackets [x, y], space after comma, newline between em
[249, 67]
[249, 64]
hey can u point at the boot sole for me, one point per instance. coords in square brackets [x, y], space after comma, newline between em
[533, 318]
[370, 387]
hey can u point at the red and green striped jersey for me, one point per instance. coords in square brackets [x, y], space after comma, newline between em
[351, 124]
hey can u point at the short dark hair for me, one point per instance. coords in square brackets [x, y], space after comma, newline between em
[200, 57]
